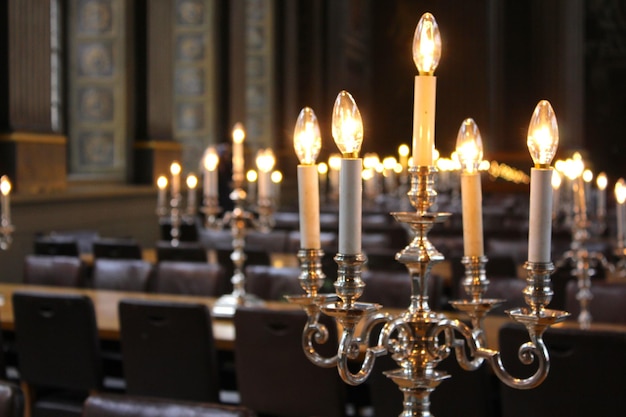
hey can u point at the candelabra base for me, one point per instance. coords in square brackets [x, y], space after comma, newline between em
[227, 304]
[416, 390]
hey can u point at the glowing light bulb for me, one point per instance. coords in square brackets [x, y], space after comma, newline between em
[265, 160]
[5, 185]
[469, 146]
[210, 159]
[602, 181]
[277, 177]
[161, 182]
[239, 134]
[389, 163]
[403, 150]
[543, 134]
[587, 175]
[322, 168]
[556, 180]
[251, 175]
[192, 181]
[427, 45]
[620, 191]
[307, 139]
[347, 125]
[175, 168]
[334, 162]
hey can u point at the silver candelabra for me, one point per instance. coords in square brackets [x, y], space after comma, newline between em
[240, 221]
[418, 339]
[6, 228]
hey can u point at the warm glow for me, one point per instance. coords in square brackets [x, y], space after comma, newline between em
[210, 159]
[334, 162]
[379, 167]
[239, 134]
[556, 180]
[427, 45]
[175, 168]
[587, 175]
[367, 174]
[265, 160]
[436, 154]
[307, 139]
[543, 134]
[398, 168]
[469, 146]
[389, 163]
[560, 165]
[347, 126]
[276, 177]
[370, 160]
[602, 181]
[5, 185]
[403, 150]
[322, 168]
[620, 191]
[192, 181]
[161, 182]
[251, 176]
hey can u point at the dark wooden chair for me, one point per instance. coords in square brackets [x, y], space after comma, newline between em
[11, 400]
[272, 372]
[271, 283]
[116, 405]
[587, 374]
[190, 278]
[117, 248]
[122, 274]
[168, 350]
[54, 270]
[184, 251]
[56, 339]
[56, 245]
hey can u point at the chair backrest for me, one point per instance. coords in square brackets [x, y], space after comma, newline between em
[273, 372]
[607, 304]
[184, 251]
[122, 274]
[587, 373]
[393, 289]
[192, 278]
[271, 283]
[11, 400]
[168, 350]
[57, 340]
[118, 248]
[117, 405]
[58, 271]
[56, 245]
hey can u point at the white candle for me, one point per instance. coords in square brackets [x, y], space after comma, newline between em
[209, 163]
[426, 55]
[162, 186]
[424, 120]
[620, 198]
[175, 170]
[5, 191]
[350, 198]
[238, 160]
[540, 218]
[192, 183]
[471, 200]
[263, 182]
[309, 206]
[601, 182]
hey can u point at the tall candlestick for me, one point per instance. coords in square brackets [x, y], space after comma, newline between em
[620, 212]
[469, 147]
[5, 191]
[347, 128]
[162, 186]
[426, 54]
[239, 135]
[543, 139]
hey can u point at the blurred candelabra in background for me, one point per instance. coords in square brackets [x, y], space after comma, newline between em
[239, 220]
[171, 213]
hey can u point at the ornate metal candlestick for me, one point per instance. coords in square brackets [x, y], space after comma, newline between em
[6, 232]
[173, 214]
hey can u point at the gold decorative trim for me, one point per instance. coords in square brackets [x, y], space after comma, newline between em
[42, 138]
[162, 145]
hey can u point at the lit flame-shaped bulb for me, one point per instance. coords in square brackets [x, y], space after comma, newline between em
[5, 185]
[210, 159]
[191, 181]
[161, 182]
[307, 139]
[469, 146]
[239, 134]
[543, 134]
[556, 180]
[347, 125]
[265, 160]
[426, 45]
[175, 168]
[620, 191]
[602, 181]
